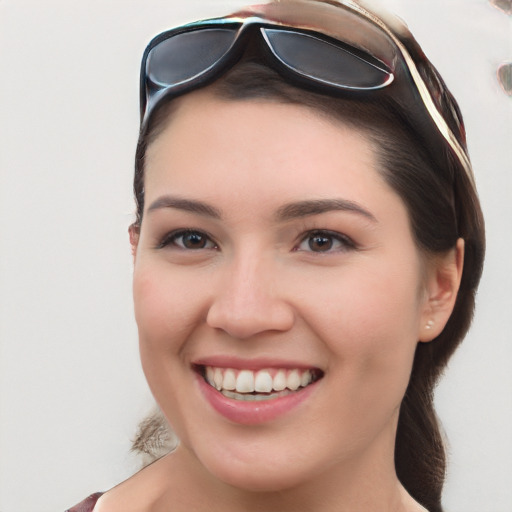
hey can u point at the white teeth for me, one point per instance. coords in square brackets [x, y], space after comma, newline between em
[280, 381]
[293, 380]
[263, 382]
[218, 378]
[209, 375]
[245, 382]
[229, 381]
[236, 382]
[306, 378]
[247, 397]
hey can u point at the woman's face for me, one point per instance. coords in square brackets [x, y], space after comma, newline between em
[272, 254]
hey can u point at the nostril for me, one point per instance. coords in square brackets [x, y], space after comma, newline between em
[244, 321]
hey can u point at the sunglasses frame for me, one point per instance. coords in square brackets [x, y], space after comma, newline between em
[243, 31]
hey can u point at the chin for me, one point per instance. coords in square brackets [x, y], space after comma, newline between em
[262, 472]
[261, 480]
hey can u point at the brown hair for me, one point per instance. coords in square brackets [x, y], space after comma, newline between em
[442, 206]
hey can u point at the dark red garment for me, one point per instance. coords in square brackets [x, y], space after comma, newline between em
[87, 505]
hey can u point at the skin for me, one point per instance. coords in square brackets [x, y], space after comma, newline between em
[355, 308]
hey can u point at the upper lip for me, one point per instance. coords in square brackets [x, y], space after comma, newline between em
[255, 364]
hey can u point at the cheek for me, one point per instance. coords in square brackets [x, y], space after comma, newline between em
[166, 309]
[370, 324]
[167, 306]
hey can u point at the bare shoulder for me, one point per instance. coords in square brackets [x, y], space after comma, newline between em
[138, 493]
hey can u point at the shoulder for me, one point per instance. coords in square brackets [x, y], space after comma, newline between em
[87, 505]
[138, 493]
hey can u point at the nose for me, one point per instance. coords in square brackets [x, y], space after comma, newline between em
[249, 301]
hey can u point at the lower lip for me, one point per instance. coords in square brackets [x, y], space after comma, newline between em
[253, 412]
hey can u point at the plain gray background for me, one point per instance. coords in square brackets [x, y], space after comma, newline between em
[71, 389]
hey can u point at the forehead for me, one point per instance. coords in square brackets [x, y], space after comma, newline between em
[223, 136]
[259, 154]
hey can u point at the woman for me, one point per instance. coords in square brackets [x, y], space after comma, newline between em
[307, 248]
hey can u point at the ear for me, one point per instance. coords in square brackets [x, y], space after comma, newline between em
[134, 232]
[443, 281]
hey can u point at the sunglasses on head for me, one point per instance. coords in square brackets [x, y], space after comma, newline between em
[338, 49]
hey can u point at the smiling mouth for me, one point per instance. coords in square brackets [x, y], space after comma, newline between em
[264, 384]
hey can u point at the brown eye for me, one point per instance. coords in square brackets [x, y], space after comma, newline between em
[194, 240]
[325, 242]
[320, 243]
[189, 240]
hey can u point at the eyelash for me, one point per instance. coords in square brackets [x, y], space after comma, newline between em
[343, 242]
[336, 242]
[174, 236]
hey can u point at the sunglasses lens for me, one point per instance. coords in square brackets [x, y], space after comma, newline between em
[325, 62]
[187, 55]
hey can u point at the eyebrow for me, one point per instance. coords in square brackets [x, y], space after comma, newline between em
[188, 205]
[316, 207]
[284, 213]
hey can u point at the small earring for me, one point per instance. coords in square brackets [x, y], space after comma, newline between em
[429, 324]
